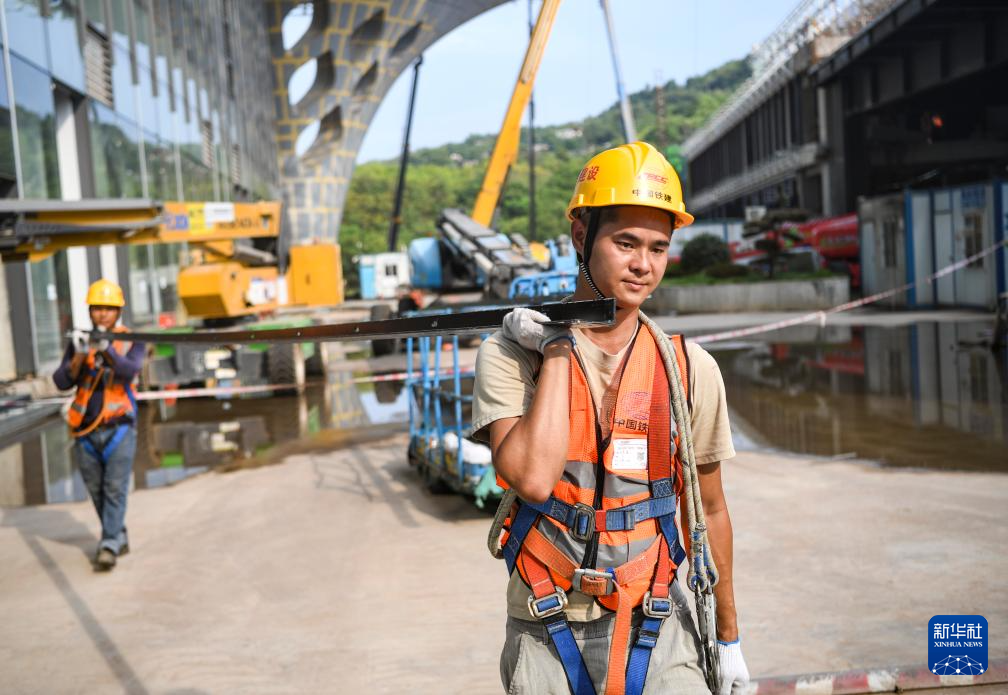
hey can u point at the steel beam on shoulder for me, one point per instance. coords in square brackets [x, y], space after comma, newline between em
[600, 312]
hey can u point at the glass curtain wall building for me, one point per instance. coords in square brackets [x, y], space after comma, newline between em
[162, 99]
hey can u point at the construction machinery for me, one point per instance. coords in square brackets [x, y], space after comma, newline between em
[467, 253]
[236, 273]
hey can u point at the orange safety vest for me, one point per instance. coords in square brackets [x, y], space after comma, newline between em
[118, 397]
[608, 530]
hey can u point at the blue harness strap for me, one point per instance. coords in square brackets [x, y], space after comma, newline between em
[110, 446]
[570, 656]
[582, 521]
[524, 521]
[640, 655]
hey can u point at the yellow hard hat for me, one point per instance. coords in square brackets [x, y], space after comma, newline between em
[105, 293]
[632, 174]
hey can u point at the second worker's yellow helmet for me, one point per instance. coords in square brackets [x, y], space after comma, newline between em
[105, 293]
[631, 174]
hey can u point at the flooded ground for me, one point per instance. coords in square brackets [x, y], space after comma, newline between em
[928, 395]
[190, 436]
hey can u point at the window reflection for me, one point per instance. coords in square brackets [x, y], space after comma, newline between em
[143, 38]
[26, 31]
[148, 104]
[64, 46]
[142, 304]
[8, 186]
[122, 84]
[115, 153]
[36, 130]
[94, 12]
[120, 23]
[160, 168]
[51, 298]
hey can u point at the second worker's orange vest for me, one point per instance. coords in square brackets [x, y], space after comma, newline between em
[118, 398]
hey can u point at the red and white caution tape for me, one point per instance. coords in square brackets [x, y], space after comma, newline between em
[882, 680]
[821, 316]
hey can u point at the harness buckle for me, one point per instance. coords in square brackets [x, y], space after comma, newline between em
[655, 607]
[548, 605]
[583, 527]
[594, 578]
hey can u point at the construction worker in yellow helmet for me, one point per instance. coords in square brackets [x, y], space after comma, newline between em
[589, 427]
[103, 413]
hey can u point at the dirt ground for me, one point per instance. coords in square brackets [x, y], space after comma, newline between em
[337, 572]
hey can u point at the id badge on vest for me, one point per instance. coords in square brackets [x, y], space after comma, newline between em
[629, 455]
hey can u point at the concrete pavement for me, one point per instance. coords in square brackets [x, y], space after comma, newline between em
[335, 572]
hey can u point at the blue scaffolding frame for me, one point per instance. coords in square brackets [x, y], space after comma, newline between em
[433, 391]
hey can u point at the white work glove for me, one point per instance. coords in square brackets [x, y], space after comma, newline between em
[528, 328]
[101, 345]
[734, 673]
[81, 341]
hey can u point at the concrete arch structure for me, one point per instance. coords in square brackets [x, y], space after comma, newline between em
[361, 47]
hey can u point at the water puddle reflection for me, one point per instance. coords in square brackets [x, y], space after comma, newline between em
[929, 395]
[190, 436]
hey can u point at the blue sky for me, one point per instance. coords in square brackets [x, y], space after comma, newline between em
[467, 76]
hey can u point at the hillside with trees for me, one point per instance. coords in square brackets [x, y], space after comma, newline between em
[450, 175]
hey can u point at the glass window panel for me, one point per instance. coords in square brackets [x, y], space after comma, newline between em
[160, 168]
[131, 159]
[162, 47]
[120, 23]
[64, 47]
[116, 154]
[8, 187]
[94, 12]
[26, 30]
[166, 119]
[143, 39]
[122, 84]
[45, 301]
[197, 180]
[101, 122]
[193, 101]
[141, 302]
[36, 130]
[166, 272]
[163, 255]
[148, 104]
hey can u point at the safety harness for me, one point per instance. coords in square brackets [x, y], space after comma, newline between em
[118, 401]
[533, 542]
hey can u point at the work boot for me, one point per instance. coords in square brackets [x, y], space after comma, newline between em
[105, 560]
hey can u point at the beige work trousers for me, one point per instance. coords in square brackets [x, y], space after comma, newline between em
[530, 665]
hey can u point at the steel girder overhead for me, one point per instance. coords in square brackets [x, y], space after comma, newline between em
[359, 49]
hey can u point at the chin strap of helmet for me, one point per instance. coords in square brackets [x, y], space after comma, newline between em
[593, 224]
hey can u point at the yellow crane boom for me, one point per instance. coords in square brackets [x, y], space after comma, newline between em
[506, 148]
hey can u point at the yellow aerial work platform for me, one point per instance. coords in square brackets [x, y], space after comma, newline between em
[229, 275]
